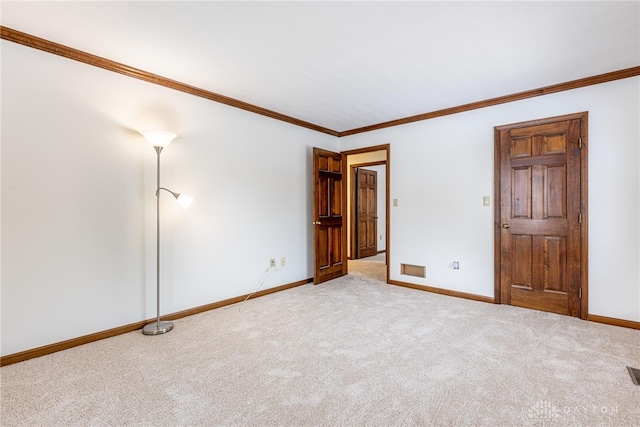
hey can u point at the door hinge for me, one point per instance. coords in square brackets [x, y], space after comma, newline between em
[580, 293]
[580, 217]
[579, 142]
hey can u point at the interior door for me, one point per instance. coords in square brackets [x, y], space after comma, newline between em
[329, 205]
[541, 242]
[367, 213]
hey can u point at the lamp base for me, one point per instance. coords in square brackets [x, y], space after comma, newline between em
[157, 328]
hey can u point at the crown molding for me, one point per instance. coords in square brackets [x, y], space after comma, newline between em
[97, 61]
[574, 84]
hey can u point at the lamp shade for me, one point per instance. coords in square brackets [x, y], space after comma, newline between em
[184, 200]
[158, 138]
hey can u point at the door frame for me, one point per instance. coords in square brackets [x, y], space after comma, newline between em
[353, 202]
[387, 163]
[584, 229]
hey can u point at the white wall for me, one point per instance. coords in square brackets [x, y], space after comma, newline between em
[78, 204]
[441, 169]
[78, 209]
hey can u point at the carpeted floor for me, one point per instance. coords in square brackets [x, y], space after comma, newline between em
[374, 267]
[353, 351]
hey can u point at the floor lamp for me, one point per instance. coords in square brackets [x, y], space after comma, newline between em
[160, 139]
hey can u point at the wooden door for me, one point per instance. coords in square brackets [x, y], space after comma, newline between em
[541, 215]
[367, 213]
[329, 228]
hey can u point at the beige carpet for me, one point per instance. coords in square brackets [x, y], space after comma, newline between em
[350, 352]
[373, 267]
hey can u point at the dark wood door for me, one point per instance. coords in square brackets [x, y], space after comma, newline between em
[329, 228]
[367, 212]
[541, 214]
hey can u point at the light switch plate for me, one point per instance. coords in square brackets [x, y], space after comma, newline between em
[486, 201]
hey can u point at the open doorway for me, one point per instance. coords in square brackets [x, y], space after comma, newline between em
[368, 211]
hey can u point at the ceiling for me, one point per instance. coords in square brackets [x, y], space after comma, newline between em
[346, 65]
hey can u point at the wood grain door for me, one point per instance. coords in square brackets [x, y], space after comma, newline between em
[541, 215]
[367, 212]
[329, 205]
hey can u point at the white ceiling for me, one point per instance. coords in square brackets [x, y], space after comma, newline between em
[345, 65]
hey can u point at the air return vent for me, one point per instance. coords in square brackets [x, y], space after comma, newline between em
[413, 270]
[635, 375]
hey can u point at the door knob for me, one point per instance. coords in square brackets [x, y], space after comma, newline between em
[505, 225]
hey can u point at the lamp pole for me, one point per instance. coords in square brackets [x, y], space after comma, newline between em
[158, 327]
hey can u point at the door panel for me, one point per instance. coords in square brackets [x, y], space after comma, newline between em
[539, 240]
[521, 188]
[328, 219]
[521, 271]
[555, 192]
[555, 261]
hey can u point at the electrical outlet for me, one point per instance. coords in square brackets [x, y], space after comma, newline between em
[283, 262]
[272, 263]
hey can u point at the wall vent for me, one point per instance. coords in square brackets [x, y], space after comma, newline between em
[413, 270]
[635, 375]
